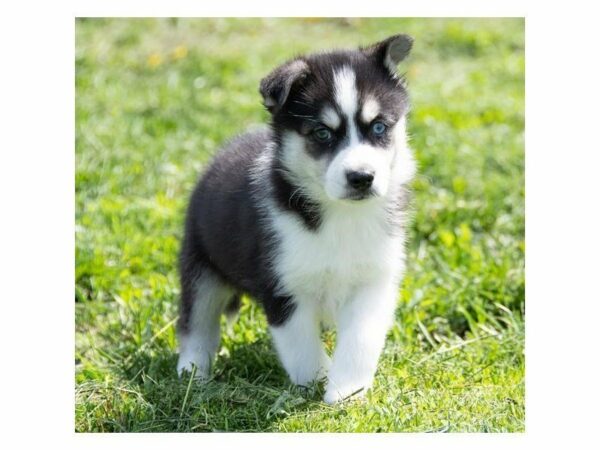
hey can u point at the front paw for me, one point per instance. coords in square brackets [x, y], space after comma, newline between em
[336, 393]
[305, 374]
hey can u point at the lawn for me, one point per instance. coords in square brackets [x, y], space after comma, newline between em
[156, 98]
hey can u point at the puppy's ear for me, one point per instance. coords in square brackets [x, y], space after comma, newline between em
[276, 86]
[391, 51]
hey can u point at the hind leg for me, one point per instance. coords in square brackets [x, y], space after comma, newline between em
[203, 301]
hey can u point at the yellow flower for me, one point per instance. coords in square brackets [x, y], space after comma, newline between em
[154, 60]
[180, 52]
[447, 237]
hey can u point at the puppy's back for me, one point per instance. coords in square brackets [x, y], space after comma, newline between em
[223, 225]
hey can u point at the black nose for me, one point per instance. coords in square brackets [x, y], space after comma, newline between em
[360, 180]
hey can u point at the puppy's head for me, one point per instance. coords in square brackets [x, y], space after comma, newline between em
[339, 119]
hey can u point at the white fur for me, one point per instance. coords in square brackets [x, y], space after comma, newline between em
[369, 110]
[358, 157]
[330, 118]
[299, 345]
[307, 171]
[350, 248]
[362, 326]
[198, 347]
[403, 166]
[346, 272]
[346, 95]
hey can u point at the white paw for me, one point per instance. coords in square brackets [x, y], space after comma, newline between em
[339, 393]
[305, 374]
[199, 368]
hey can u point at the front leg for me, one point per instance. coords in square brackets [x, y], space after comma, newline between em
[297, 336]
[361, 330]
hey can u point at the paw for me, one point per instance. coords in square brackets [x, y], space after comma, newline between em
[199, 369]
[303, 375]
[335, 393]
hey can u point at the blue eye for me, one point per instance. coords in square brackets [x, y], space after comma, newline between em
[322, 134]
[378, 128]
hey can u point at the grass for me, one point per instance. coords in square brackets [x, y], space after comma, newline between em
[156, 98]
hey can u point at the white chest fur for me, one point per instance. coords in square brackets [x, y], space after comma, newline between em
[352, 247]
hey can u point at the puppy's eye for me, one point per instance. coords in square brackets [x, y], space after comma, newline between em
[378, 128]
[322, 134]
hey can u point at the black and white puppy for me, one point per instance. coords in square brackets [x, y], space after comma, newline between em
[307, 217]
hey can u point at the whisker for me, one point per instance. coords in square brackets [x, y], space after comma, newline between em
[302, 116]
[281, 170]
[301, 103]
[292, 196]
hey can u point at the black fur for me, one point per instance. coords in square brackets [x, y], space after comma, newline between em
[223, 232]
[290, 198]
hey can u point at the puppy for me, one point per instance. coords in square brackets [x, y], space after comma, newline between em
[307, 217]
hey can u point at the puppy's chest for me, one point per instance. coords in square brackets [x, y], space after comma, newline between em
[330, 263]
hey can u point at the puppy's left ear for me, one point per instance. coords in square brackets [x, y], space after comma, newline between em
[276, 86]
[391, 51]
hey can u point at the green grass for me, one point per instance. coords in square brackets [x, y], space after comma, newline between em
[156, 98]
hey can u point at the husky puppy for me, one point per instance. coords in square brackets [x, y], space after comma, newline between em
[307, 217]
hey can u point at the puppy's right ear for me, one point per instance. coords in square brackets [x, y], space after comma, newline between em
[276, 86]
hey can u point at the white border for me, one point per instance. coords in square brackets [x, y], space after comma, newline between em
[310, 8]
[37, 193]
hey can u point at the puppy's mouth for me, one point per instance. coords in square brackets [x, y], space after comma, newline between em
[360, 195]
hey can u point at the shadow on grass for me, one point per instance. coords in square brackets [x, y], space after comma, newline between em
[248, 391]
